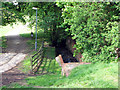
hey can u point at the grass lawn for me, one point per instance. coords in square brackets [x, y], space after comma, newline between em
[15, 85]
[3, 31]
[98, 75]
[85, 76]
[48, 57]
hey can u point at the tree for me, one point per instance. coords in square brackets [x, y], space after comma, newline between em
[94, 26]
[12, 13]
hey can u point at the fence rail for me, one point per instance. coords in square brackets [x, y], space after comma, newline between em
[43, 62]
[37, 59]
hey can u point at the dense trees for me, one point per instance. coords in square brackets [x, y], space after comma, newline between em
[94, 25]
[12, 13]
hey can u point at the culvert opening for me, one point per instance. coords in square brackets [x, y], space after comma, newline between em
[67, 56]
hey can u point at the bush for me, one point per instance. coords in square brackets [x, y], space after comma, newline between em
[94, 26]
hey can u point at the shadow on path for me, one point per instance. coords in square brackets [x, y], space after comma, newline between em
[17, 44]
[16, 51]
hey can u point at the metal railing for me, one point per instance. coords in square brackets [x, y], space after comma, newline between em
[37, 59]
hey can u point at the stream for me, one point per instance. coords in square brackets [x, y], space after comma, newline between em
[66, 54]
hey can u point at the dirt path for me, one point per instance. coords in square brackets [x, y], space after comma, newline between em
[17, 44]
[16, 51]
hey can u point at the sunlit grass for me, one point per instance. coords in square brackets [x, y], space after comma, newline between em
[5, 29]
[85, 76]
[9, 29]
[99, 75]
[15, 85]
[49, 52]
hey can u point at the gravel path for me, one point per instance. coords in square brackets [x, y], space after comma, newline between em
[15, 53]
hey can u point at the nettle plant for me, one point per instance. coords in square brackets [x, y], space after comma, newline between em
[94, 26]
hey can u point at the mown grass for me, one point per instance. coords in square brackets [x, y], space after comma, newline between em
[3, 42]
[119, 75]
[97, 75]
[48, 65]
[41, 36]
[15, 85]
[3, 31]
[49, 52]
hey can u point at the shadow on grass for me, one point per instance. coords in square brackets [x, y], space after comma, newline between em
[49, 64]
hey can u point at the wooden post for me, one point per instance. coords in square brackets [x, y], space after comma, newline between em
[61, 59]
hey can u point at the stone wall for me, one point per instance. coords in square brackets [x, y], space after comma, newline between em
[69, 44]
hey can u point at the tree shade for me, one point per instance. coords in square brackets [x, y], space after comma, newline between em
[94, 25]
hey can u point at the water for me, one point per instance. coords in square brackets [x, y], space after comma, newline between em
[66, 54]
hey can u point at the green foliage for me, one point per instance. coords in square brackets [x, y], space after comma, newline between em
[49, 19]
[12, 13]
[94, 26]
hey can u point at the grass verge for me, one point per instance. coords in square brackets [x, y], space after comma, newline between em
[3, 42]
[5, 29]
[15, 85]
[97, 75]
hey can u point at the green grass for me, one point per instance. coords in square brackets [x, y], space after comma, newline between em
[40, 37]
[119, 75]
[49, 53]
[15, 85]
[99, 75]
[49, 64]
[26, 35]
[4, 30]
[26, 67]
[3, 42]
[85, 76]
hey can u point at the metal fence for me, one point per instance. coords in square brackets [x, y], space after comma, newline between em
[37, 59]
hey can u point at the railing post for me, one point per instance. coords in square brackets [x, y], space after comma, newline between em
[35, 61]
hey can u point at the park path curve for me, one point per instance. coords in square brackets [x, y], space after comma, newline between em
[16, 51]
